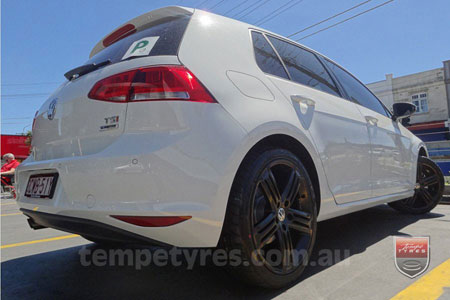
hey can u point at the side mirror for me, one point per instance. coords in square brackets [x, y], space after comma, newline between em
[405, 121]
[402, 110]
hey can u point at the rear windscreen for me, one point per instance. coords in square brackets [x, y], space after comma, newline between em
[162, 37]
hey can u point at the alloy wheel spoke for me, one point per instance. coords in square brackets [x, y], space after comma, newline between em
[412, 200]
[426, 196]
[270, 189]
[286, 247]
[430, 180]
[300, 216]
[300, 221]
[300, 228]
[265, 230]
[419, 170]
[292, 187]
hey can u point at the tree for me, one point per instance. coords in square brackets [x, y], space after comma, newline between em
[29, 135]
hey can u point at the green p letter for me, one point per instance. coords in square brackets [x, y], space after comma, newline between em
[139, 45]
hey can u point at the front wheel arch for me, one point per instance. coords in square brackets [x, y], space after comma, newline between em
[423, 152]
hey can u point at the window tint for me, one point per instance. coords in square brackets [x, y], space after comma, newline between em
[266, 58]
[304, 67]
[356, 90]
[170, 31]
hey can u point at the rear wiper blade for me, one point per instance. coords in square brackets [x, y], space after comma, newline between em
[80, 71]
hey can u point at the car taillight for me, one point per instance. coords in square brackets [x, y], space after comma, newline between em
[34, 119]
[151, 84]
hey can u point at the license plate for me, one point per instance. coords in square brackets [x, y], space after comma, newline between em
[41, 186]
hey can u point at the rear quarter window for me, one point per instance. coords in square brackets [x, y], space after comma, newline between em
[169, 31]
[265, 56]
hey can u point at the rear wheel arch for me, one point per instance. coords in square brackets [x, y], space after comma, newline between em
[282, 141]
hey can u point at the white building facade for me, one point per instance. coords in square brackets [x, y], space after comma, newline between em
[430, 92]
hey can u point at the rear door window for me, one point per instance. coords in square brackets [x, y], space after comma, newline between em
[355, 90]
[168, 31]
[266, 58]
[304, 67]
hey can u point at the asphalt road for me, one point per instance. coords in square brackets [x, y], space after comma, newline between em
[51, 268]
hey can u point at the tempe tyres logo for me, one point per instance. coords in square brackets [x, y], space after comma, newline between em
[412, 255]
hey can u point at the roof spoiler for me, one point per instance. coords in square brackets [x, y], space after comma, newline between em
[137, 24]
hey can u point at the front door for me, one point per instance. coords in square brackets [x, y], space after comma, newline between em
[391, 156]
[392, 161]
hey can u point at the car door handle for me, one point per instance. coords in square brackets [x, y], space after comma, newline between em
[303, 99]
[371, 120]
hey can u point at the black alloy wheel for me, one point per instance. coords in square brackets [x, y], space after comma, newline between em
[428, 190]
[271, 218]
[282, 216]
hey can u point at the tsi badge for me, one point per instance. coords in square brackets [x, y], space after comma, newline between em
[412, 255]
[110, 123]
[52, 109]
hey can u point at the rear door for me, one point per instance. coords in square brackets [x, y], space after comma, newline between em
[336, 125]
[391, 158]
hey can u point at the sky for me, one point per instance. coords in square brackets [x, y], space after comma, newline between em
[41, 40]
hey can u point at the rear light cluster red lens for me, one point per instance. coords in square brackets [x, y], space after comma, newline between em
[151, 84]
[34, 119]
[147, 221]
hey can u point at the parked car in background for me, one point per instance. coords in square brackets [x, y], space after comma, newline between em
[190, 129]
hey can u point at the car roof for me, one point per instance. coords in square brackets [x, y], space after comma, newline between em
[141, 22]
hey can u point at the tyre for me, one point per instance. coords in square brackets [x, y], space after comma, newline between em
[271, 219]
[428, 190]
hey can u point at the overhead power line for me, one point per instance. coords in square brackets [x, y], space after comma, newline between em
[245, 9]
[345, 20]
[237, 6]
[25, 95]
[327, 19]
[280, 12]
[261, 4]
[15, 96]
[34, 83]
[23, 118]
[217, 4]
[276, 10]
[202, 3]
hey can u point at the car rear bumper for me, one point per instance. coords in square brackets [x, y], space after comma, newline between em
[87, 228]
[186, 172]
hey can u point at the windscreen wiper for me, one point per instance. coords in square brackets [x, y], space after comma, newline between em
[84, 69]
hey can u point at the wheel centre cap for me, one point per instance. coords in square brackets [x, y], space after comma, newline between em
[281, 214]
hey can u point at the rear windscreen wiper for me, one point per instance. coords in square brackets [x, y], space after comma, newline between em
[80, 71]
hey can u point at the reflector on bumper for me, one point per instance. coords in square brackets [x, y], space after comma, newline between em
[147, 221]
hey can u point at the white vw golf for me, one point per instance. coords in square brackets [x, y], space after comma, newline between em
[189, 129]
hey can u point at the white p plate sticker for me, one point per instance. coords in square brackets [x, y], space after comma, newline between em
[141, 47]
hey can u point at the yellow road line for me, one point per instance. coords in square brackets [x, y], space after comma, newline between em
[13, 214]
[10, 203]
[430, 286]
[40, 241]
